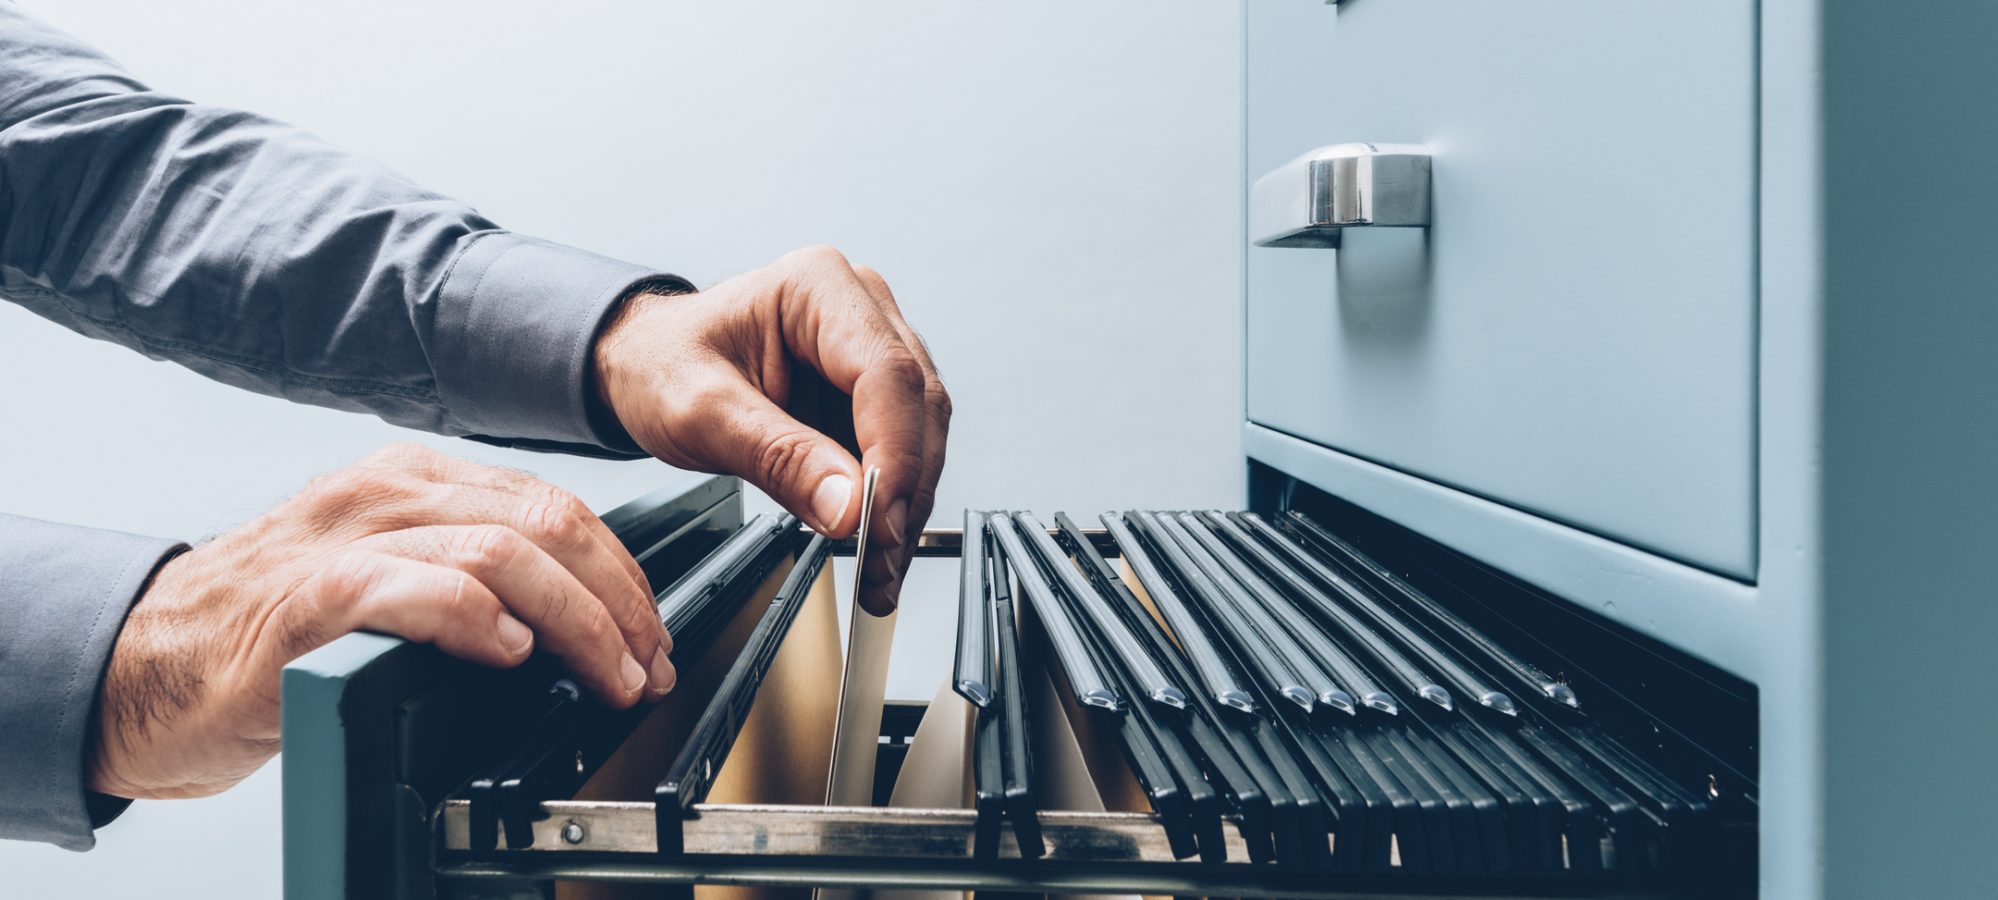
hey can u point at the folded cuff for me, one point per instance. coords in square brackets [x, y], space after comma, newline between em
[516, 321]
[64, 593]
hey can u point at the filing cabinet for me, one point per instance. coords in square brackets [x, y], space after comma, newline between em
[1694, 333]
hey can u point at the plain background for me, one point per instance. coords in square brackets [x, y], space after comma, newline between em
[1052, 189]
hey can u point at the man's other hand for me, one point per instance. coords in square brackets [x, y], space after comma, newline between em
[485, 563]
[783, 376]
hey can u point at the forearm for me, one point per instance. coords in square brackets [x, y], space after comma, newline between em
[263, 257]
[64, 593]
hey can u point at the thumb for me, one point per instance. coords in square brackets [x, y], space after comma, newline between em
[806, 472]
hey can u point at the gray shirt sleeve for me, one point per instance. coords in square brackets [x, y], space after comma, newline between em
[64, 591]
[262, 257]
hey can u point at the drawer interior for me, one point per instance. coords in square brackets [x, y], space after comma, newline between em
[1662, 716]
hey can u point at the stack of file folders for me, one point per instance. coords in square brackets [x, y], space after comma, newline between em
[1279, 698]
[1273, 677]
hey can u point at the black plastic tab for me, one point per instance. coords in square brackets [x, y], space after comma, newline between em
[1085, 676]
[1016, 758]
[972, 672]
[694, 769]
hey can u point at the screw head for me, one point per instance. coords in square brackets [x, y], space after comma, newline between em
[573, 832]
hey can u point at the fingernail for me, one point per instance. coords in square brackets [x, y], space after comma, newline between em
[829, 501]
[892, 592]
[898, 522]
[514, 635]
[634, 677]
[663, 675]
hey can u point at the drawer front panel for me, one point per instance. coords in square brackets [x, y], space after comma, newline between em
[1574, 334]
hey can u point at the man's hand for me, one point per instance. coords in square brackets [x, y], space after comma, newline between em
[782, 376]
[482, 562]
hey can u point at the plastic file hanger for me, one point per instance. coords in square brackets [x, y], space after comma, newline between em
[1085, 678]
[1391, 659]
[1315, 642]
[566, 745]
[701, 758]
[972, 672]
[1016, 759]
[1116, 644]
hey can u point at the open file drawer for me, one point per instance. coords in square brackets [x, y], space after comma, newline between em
[392, 749]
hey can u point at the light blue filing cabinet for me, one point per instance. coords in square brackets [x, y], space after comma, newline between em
[1699, 334]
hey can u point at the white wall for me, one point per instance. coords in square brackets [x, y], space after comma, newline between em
[1052, 189]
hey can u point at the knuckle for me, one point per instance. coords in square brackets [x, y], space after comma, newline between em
[345, 579]
[358, 484]
[872, 280]
[939, 401]
[821, 255]
[402, 454]
[567, 502]
[489, 547]
[341, 484]
[637, 622]
[462, 595]
[509, 478]
[784, 458]
[600, 632]
[554, 525]
[926, 500]
[901, 369]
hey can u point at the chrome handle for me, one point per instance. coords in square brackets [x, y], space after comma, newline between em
[1308, 201]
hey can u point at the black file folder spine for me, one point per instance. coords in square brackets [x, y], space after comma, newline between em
[972, 671]
[1278, 665]
[555, 719]
[1204, 793]
[1438, 619]
[1085, 678]
[1117, 646]
[1333, 660]
[1335, 617]
[1220, 725]
[1210, 670]
[690, 608]
[706, 751]
[1016, 756]
[988, 782]
[1241, 615]
[977, 640]
[568, 745]
[1154, 756]
[1365, 599]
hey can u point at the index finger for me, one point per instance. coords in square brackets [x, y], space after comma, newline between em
[937, 414]
[835, 326]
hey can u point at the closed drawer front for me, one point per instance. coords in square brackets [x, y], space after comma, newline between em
[1575, 333]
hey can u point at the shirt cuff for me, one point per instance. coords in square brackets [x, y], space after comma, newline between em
[516, 322]
[64, 593]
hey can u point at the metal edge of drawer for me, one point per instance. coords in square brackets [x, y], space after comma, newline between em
[1707, 615]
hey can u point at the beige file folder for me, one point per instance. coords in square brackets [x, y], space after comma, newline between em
[783, 753]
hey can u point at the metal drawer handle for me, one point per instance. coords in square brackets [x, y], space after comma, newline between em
[1308, 201]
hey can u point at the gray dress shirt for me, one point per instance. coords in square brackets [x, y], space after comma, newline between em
[262, 257]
